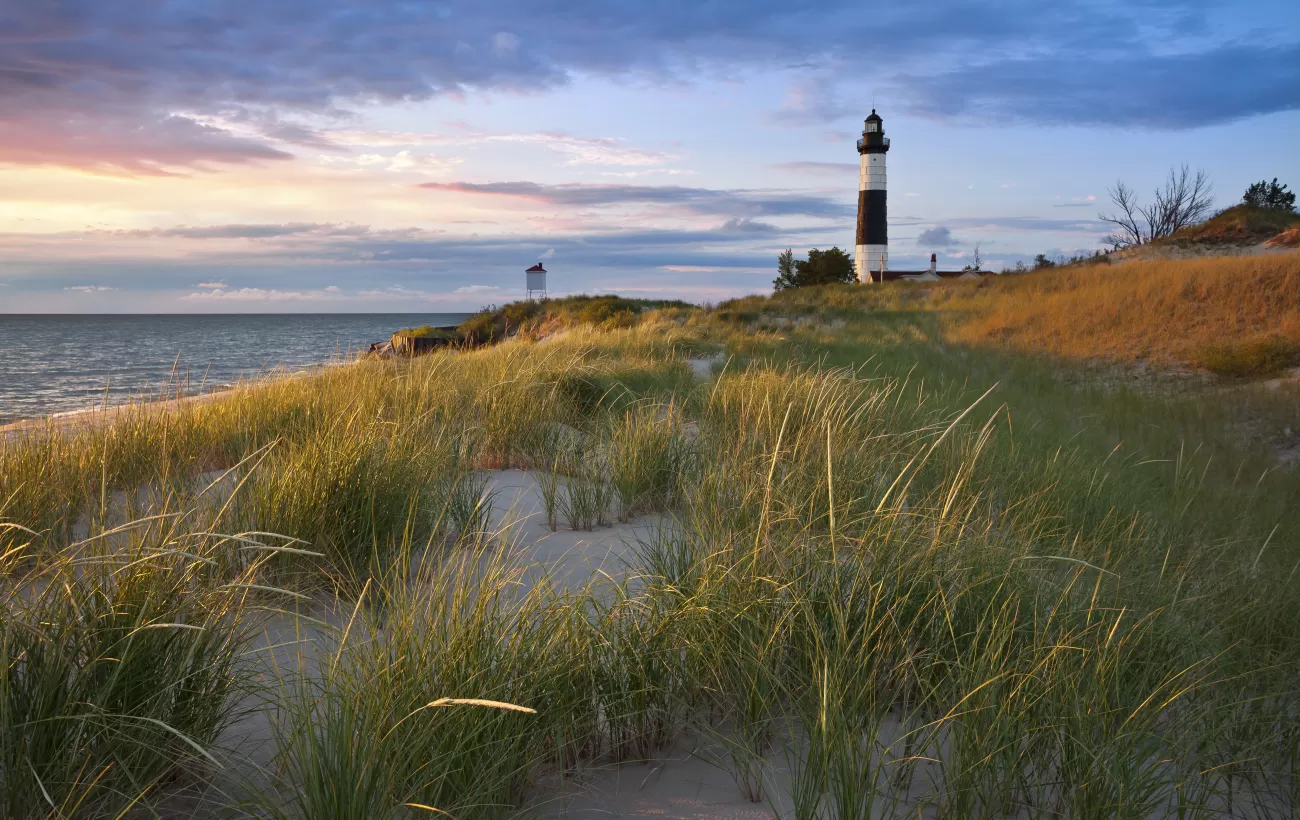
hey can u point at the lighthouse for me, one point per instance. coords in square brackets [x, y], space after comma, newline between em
[872, 255]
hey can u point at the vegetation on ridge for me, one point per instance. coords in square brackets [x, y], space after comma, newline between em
[1264, 194]
[1238, 225]
[926, 576]
[494, 323]
[1196, 312]
[829, 267]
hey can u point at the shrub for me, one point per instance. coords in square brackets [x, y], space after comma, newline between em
[607, 311]
[1257, 358]
[1264, 194]
[427, 332]
[831, 266]
[480, 328]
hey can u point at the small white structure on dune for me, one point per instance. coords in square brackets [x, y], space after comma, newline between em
[536, 281]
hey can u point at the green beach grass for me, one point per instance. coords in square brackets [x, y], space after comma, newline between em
[921, 575]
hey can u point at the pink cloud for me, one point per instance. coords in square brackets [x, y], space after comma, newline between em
[162, 147]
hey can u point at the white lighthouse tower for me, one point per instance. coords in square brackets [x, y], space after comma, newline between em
[871, 258]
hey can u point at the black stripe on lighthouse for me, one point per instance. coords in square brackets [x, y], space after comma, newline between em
[871, 218]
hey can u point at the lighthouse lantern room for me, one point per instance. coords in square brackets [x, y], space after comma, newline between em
[871, 257]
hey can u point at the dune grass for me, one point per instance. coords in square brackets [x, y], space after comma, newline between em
[121, 665]
[922, 577]
[1239, 224]
[1166, 311]
[1187, 312]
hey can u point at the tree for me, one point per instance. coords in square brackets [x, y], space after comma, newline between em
[1043, 261]
[785, 271]
[828, 267]
[975, 260]
[1184, 200]
[1269, 195]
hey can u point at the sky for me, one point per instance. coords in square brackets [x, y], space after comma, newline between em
[161, 156]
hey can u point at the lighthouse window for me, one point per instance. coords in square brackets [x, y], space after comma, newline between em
[871, 128]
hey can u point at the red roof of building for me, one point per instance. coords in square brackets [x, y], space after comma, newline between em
[536, 269]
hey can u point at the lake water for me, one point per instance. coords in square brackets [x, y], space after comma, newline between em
[60, 364]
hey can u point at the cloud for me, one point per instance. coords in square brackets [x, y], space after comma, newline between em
[404, 161]
[1088, 201]
[811, 100]
[330, 293]
[316, 231]
[504, 43]
[150, 145]
[1027, 223]
[135, 87]
[936, 237]
[1144, 87]
[649, 172]
[582, 150]
[578, 151]
[285, 272]
[738, 203]
[293, 265]
[477, 289]
[236, 231]
[694, 268]
[825, 169]
[89, 288]
[747, 226]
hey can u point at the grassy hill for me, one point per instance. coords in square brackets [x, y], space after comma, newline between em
[1238, 225]
[1237, 316]
[1232, 315]
[891, 542]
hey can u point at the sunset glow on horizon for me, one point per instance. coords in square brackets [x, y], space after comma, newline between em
[340, 156]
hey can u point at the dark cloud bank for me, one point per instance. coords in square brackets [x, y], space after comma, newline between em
[128, 85]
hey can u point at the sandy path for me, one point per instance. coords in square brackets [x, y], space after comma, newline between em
[681, 783]
[569, 559]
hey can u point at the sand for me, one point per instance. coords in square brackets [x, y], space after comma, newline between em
[569, 559]
[683, 781]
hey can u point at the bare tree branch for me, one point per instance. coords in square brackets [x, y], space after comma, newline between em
[1184, 200]
[1128, 231]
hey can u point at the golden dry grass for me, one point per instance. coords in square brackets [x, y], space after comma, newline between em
[1236, 315]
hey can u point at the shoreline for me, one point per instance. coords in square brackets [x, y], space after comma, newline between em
[99, 415]
[253, 349]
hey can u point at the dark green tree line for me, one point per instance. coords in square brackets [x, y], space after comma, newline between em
[1264, 194]
[828, 267]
